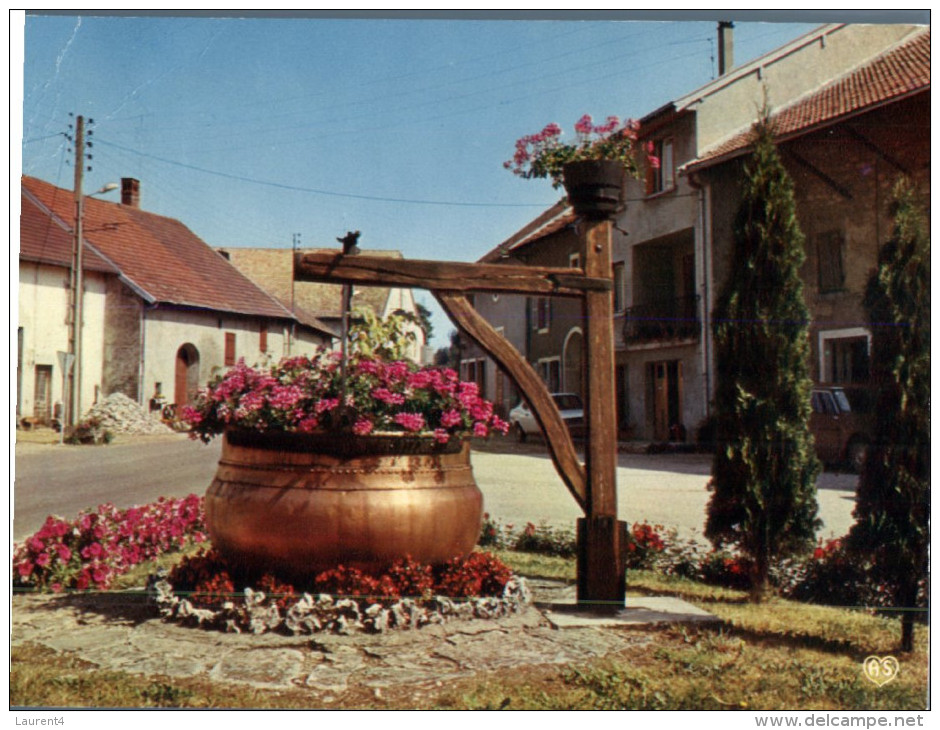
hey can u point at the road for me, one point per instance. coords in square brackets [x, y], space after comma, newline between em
[518, 482]
[62, 480]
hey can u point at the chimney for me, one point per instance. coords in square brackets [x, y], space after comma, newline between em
[725, 46]
[130, 192]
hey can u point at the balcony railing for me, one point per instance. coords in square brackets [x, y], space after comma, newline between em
[670, 319]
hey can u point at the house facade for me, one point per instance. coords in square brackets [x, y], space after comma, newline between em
[672, 241]
[162, 312]
[272, 269]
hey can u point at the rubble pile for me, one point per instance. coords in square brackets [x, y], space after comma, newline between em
[119, 414]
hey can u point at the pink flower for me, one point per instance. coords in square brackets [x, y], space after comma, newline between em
[24, 569]
[441, 436]
[42, 560]
[420, 379]
[500, 425]
[451, 418]
[410, 421]
[584, 125]
[362, 427]
[95, 550]
[65, 554]
[480, 429]
[370, 367]
[326, 404]
[387, 396]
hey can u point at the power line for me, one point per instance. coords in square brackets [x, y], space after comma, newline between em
[316, 191]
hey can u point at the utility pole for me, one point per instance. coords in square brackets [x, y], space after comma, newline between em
[77, 279]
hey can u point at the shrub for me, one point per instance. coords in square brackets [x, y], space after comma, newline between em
[644, 544]
[545, 539]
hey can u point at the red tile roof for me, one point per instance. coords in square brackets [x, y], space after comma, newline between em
[897, 73]
[552, 220]
[44, 241]
[160, 256]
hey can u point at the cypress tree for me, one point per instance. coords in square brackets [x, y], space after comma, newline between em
[892, 532]
[764, 471]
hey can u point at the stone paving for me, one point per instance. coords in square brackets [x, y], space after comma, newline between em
[122, 631]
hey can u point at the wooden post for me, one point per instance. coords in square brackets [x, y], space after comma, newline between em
[601, 537]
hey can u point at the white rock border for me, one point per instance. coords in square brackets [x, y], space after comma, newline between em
[344, 615]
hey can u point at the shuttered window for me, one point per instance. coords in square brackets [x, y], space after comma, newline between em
[829, 247]
[229, 349]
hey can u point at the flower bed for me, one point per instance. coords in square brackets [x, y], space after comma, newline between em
[827, 576]
[90, 551]
[201, 591]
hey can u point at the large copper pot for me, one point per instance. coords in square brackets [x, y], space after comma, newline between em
[298, 504]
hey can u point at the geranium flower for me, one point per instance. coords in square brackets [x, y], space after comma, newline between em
[362, 427]
[410, 421]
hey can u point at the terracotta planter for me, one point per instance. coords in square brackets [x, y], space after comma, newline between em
[298, 504]
[594, 187]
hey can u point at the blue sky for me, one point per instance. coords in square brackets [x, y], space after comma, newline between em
[252, 130]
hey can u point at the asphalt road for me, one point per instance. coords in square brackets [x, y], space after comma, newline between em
[519, 483]
[63, 480]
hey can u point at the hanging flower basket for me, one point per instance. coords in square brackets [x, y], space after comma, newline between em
[594, 187]
[297, 504]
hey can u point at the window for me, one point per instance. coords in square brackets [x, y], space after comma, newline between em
[829, 247]
[574, 260]
[661, 170]
[474, 371]
[844, 355]
[263, 337]
[620, 273]
[543, 313]
[229, 349]
[550, 370]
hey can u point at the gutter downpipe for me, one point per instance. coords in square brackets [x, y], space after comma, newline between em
[704, 197]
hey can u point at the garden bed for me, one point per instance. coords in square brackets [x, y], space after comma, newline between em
[200, 591]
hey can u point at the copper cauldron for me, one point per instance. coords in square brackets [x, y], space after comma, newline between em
[298, 504]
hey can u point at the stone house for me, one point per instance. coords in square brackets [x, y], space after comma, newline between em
[272, 269]
[670, 240]
[844, 146]
[162, 311]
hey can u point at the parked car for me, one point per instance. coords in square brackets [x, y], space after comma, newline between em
[841, 424]
[523, 423]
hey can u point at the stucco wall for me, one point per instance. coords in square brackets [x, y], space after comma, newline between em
[812, 61]
[166, 330]
[43, 300]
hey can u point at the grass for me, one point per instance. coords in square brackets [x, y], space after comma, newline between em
[772, 656]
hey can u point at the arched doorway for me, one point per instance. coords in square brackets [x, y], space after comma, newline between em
[187, 374]
[574, 362]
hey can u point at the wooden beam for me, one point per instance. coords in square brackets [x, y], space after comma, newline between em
[508, 358]
[334, 267]
[867, 143]
[841, 189]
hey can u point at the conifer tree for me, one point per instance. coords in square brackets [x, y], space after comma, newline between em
[764, 471]
[892, 532]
